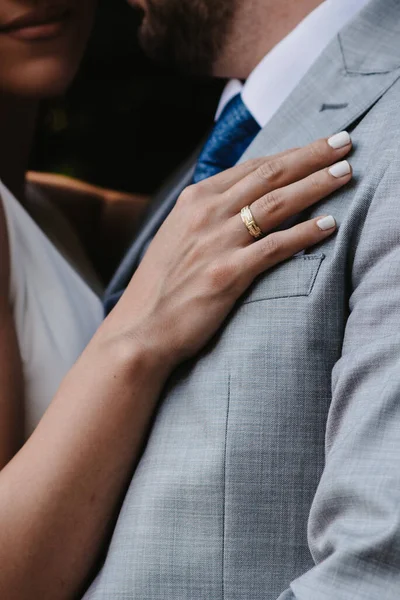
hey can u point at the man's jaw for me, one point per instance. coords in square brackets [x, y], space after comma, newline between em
[137, 4]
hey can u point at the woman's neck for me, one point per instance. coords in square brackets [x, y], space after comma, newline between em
[17, 128]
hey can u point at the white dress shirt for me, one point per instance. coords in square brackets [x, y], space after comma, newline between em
[282, 69]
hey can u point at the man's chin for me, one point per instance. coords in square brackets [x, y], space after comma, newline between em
[166, 55]
[182, 39]
[137, 4]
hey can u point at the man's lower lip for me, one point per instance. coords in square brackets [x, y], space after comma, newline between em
[33, 33]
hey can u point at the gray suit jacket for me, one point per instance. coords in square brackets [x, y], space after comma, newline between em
[292, 415]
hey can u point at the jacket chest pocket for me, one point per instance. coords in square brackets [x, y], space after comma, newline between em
[295, 277]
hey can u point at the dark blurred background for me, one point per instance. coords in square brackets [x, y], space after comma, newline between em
[126, 123]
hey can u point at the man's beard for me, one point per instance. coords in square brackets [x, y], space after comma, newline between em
[186, 33]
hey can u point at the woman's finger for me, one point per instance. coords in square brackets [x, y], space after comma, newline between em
[282, 171]
[281, 245]
[226, 179]
[277, 206]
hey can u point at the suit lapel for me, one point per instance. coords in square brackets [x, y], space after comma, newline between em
[356, 69]
[161, 205]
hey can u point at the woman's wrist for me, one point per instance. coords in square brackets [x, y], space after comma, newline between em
[128, 355]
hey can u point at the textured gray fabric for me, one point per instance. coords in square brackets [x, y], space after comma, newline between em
[292, 414]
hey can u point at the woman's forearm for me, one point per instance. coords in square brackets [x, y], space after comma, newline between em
[59, 494]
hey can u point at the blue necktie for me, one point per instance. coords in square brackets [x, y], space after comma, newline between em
[231, 136]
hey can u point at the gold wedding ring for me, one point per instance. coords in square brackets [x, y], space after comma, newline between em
[249, 222]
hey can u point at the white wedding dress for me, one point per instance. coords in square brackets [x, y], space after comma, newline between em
[55, 312]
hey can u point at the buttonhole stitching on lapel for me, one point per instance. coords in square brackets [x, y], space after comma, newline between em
[327, 106]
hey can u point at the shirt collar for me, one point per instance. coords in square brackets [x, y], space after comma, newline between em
[280, 71]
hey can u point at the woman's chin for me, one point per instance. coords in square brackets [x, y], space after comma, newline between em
[43, 90]
[40, 81]
[45, 65]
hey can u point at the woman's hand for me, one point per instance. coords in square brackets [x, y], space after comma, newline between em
[203, 258]
[93, 433]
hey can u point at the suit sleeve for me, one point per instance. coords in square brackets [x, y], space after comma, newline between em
[354, 526]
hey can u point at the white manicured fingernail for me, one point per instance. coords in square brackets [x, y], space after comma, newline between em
[340, 169]
[326, 223]
[340, 140]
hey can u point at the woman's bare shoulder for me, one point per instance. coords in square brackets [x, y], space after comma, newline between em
[63, 187]
[104, 219]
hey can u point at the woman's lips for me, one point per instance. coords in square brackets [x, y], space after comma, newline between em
[38, 25]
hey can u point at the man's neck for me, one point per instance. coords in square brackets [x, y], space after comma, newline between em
[257, 28]
[17, 127]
